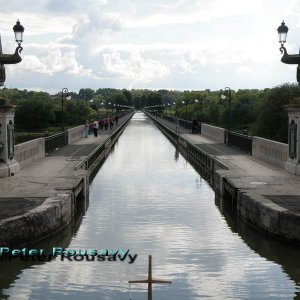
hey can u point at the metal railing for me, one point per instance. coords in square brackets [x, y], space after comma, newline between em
[185, 123]
[56, 141]
[95, 154]
[240, 141]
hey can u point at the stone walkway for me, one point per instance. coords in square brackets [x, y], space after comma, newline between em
[248, 173]
[47, 177]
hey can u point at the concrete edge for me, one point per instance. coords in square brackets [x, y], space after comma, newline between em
[49, 217]
[256, 210]
[44, 220]
[267, 216]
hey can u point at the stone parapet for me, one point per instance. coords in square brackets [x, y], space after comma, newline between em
[28, 152]
[75, 134]
[270, 151]
[213, 132]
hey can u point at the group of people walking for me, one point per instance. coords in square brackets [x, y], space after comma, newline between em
[103, 124]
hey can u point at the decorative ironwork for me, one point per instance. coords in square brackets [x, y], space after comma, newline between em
[292, 139]
[289, 58]
[240, 141]
[11, 58]
[65, 92]
[56, 141]
[286, 58]
[11, 139]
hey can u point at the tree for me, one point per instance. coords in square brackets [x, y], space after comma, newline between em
[272, 120]
[35, 114]
[86, 94]
[128, 96]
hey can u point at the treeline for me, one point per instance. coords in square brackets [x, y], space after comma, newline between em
[40, 110]
[253, 112]
[256, 112]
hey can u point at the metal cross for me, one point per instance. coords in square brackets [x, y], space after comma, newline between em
[150, 280]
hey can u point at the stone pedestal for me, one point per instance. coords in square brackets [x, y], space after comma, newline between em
[292, 165]
[8, 165]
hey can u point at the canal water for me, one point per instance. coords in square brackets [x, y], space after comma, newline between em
[147, 198]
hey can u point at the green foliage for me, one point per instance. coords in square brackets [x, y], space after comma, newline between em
[86, 94]
[272, 119]
[260, 112]
[128, 96]
[35, 113]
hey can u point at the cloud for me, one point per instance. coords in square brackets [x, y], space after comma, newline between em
[135, 68]
[144, 43]
[188, 12]
[71, 6]
[53, 60]
[244, 70]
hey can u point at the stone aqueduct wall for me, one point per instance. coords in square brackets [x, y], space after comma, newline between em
[269, 151]
[28, 152]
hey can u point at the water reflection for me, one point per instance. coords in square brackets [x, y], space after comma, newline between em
[176, 153]
[272, 249]
[11, 269]
[144, 200]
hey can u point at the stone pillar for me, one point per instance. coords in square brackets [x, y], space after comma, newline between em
[292, 165]
[8, 166]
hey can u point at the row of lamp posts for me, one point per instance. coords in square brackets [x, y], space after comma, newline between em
[65, 94]
[15, 58]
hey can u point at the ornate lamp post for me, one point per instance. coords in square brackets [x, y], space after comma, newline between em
[184, 102]
[65, 92]
[287, 58]
[196, 101]
[11, 58]
[227, 94]
[86, 107]
[292, 164]
[201, 98]
[8, 165]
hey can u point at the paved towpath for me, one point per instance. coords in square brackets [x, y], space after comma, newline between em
[48, 176]
[249, 173]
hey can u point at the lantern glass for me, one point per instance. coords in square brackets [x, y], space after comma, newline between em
[282, 33]
[282, 37]
[18, 30]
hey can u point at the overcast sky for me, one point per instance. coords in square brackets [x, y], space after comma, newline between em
[153, 44]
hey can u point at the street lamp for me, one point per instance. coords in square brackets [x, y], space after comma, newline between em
[86, 107]
[287, 58]
[65, 92]
[11, 58]
[196, 101]
[201, 106]
[183, 102]
[227, 94]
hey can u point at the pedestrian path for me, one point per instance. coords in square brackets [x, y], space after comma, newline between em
[247, 173]
[47, 177]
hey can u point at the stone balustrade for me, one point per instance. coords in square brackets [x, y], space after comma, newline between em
[213, 132]
[28, 152]
[270, 151]
[75, 134]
